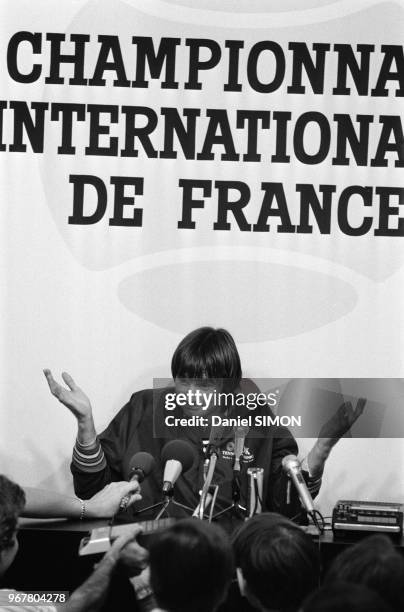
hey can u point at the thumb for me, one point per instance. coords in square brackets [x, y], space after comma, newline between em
[125, 538]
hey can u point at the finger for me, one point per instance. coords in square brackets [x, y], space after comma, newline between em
[134, 498]
[345, 409]
[130, 487]
[360, 406]
[126, 537]
[54, 387]
[69, 381]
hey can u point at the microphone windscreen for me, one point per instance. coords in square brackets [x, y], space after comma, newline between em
[290, 462]
[180, 451]
[142, 461]
[241, 431]
[216, 434]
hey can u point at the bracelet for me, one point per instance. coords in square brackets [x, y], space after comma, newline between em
[83, 508]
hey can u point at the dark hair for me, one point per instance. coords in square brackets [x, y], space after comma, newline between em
[374, 563]
[207, 353]
[273, 554]
[12, 501]
[191, 566]
[340, 597]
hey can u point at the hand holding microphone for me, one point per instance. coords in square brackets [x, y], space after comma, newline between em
[140, 467]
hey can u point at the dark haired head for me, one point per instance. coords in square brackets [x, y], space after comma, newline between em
[341, 597]
[191, 566]
[12, 501]
[375, 563]
[207, 353]
[273, 553]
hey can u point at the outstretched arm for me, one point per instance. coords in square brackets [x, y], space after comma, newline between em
[91, 594]
[49, 504]
[330, 433]
[90, 469]
[74, 398]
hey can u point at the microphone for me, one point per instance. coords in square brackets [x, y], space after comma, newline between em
[291, 465]
[212, 454]
[178, 457]
[140, 466]
[240, 434]
[215, 437]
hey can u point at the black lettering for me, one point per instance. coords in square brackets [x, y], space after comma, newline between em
[76, 58]
[218, 133]
[386, 211]
[186, 134]
[343, 207]
[142, 133]
[325, 138]
[67, 111]
[196, 64]
[188, 202]
[120, 200]
[79, 181]
[35, 40]
[346, 134]
[252, 66]
[359, 72]
[34, 129]
[274, 191]
[251, 118]
[234, 206]
[314, 71]
[393, 53]
[109, 45]
[166, 54]
[96, 129]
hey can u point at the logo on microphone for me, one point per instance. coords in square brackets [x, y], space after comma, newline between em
[228, 453]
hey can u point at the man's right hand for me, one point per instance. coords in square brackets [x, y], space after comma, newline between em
[72, 397]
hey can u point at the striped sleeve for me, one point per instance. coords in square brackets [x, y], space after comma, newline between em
[89, 458]
[313, 485]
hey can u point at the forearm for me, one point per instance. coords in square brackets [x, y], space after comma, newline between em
[48, 504]
[86, 433]
[318, 456]
[90, 595]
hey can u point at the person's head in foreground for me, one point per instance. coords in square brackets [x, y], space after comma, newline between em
[344, 597]
[375, 563]
[12, 501]
[191, 567]
[277, 562]
[206, 359]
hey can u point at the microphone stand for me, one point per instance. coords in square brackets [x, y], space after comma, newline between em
[235, 506]
[164, 504]
[208, 488]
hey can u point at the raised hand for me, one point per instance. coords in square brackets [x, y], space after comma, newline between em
[72, 397]
[331, 432]
[342, 420]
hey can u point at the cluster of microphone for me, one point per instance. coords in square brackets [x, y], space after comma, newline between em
[178, 456]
